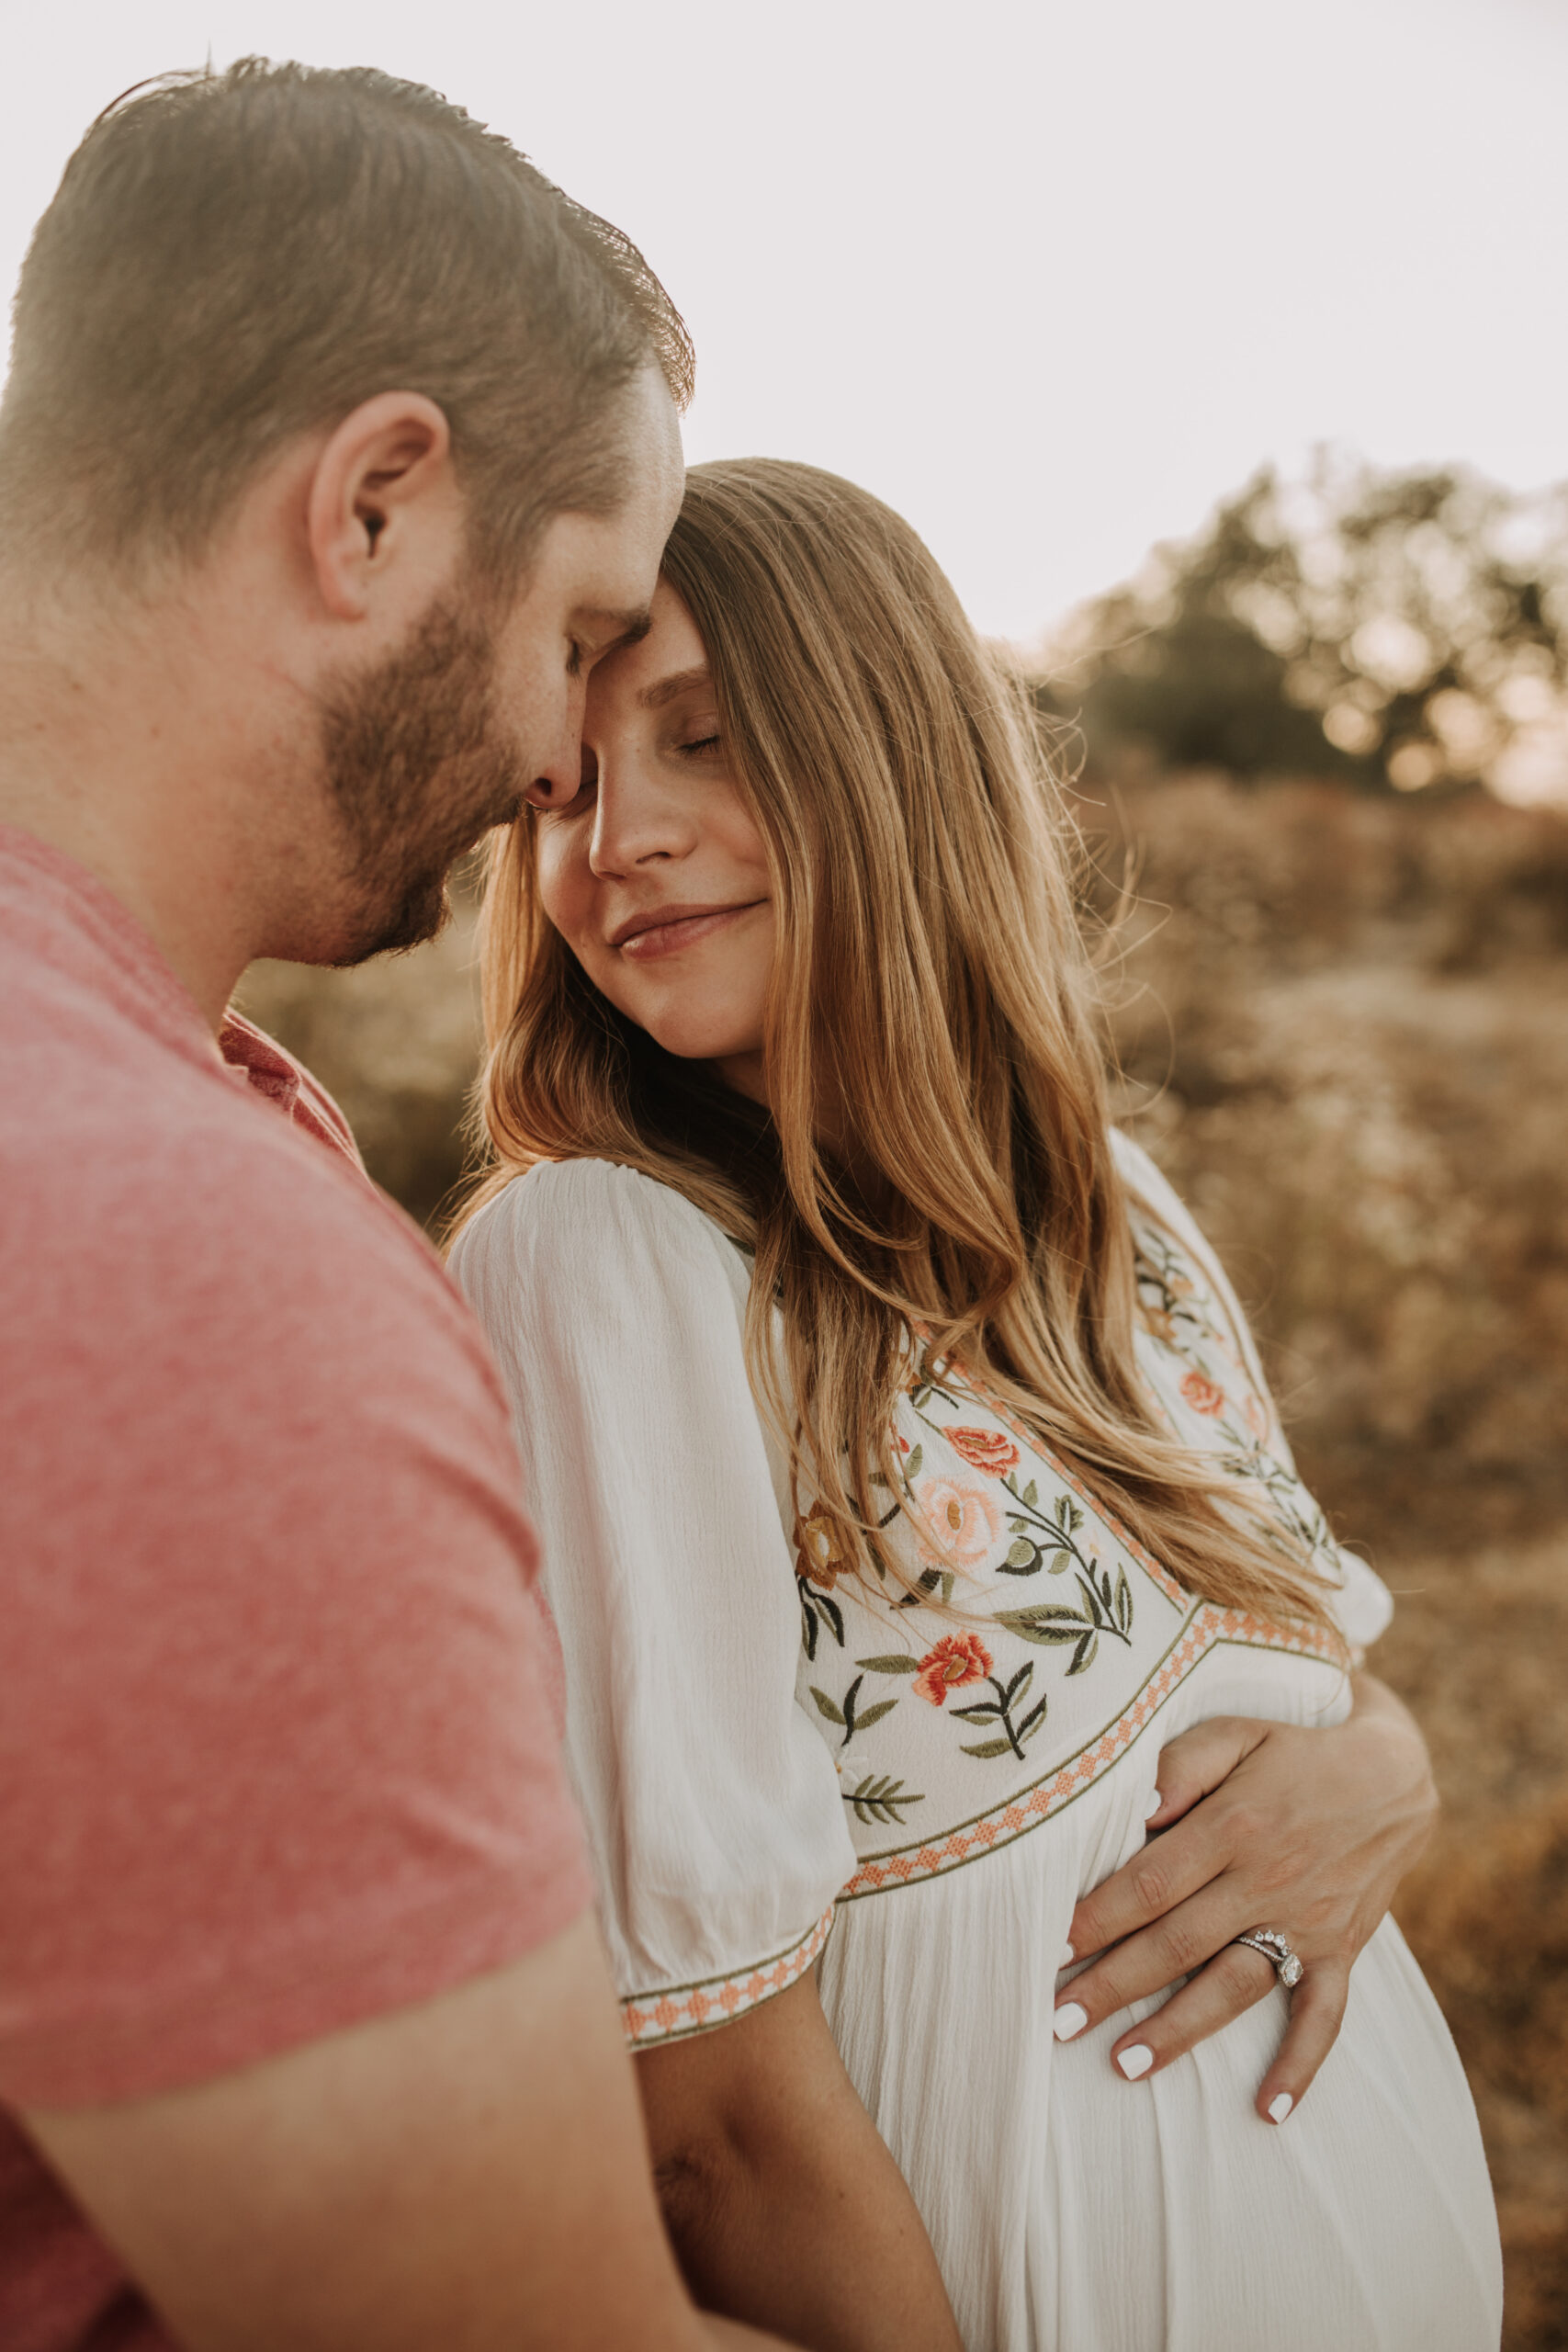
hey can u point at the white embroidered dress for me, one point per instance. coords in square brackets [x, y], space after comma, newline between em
[764, 1752]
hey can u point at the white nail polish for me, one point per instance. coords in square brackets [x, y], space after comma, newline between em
[1136, 2061]
[1066, 1959]
[1070, 2018]
[1154, 1805]
[1280, 2108]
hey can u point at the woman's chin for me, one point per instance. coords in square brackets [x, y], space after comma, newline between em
[728, 1050]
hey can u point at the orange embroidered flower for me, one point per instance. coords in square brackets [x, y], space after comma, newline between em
[964, 1523]
[957, 1660]
[819, 1551]
[1202, 1394]
[985, 1449]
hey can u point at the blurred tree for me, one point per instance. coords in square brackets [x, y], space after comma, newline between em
[1399, 629]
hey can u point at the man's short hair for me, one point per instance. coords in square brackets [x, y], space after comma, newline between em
[234, 259]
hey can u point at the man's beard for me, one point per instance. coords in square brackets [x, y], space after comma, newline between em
[418, 770]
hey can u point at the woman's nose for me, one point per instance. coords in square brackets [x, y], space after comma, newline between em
[637, 822]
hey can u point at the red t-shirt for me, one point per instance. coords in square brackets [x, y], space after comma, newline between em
[278, 1749]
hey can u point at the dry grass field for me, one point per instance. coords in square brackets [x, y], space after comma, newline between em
[1342, 1023]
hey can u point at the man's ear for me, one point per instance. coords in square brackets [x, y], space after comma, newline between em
[383, 503]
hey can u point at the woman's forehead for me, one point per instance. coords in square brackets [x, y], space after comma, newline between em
[669, 661]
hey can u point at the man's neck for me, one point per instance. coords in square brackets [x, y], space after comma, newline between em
[108, 753]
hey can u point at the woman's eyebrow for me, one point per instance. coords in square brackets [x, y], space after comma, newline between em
[654, 697]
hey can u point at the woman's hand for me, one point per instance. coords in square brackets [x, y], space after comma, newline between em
[1264, 1826]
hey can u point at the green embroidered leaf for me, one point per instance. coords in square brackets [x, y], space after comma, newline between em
[921, 1396]
[825, 1706]
[1123, 1601]
[1074, 1517]
[1019, 1685]
[1022, 1559]
[874, 1715]
[926, 1585]
[851, 1695]
[989, 1748]
[895, 1662]
[878, 1799]
[1031, 1493]
[1060, 1513]
[1085, 1586]
[980, 1712]
[1032, 1720]
[912, 1465]
[1060, 1560]
[948, 1581]
[1031, 1626]
[1084, 1656]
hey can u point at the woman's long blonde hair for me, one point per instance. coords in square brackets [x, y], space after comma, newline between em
[929, 973]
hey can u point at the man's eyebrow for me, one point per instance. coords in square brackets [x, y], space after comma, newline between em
[655, 697]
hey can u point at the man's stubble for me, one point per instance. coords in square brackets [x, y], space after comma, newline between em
[419, 769]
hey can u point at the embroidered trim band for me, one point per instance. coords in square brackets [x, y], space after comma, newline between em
[689, 2009]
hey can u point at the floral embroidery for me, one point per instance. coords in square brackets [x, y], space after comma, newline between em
[957, 1660]
[819, 1549]
[966, 1521]
[1000, 1710]
[985, 1449]
[878, 1798]
[1000, 1505]
[852, 1714]
[1202, 1394]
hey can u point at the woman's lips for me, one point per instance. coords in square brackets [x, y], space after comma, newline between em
[667, 933]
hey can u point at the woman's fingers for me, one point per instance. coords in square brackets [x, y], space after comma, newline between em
[1236, 1979]
[1186, 1855]
[1317, 2012]
[1177, 1944]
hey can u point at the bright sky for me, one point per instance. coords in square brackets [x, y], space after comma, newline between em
[1048, 275]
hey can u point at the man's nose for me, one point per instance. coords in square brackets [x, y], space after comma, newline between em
[567, 769]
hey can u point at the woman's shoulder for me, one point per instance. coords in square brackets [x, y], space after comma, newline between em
[589, 1219]
[1150, 1187]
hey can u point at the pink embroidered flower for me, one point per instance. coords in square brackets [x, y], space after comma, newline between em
[957, 1660]
[1202, 1394]
[819, 1551]
[985, 1449]
[964, 1523]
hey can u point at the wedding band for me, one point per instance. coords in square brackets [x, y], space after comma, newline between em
[1272, 1945]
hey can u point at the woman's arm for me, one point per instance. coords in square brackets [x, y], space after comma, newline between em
[782, 2202]
[1262, 1825]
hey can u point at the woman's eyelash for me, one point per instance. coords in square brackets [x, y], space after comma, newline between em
[703, 743]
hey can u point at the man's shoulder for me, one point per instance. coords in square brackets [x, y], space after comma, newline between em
[156, 1202]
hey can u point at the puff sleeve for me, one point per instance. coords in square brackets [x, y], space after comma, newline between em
[717, 1829]
[1363, 1603]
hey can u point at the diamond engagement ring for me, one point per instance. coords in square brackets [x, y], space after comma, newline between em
[1272, 1945]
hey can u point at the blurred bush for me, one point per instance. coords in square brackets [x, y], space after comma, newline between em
[1402, 631]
